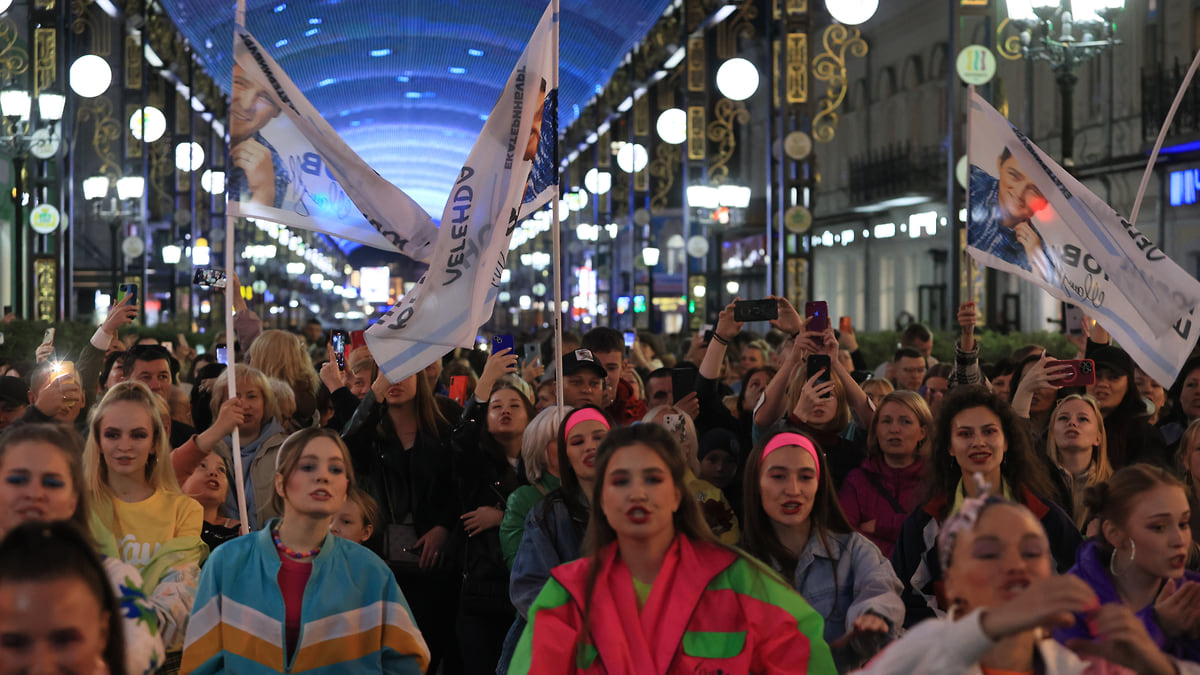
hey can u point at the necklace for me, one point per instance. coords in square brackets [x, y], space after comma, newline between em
[289, 552]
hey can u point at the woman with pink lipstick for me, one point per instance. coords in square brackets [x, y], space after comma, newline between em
[293, 597]
[794, 524]
[880, 494]
[658, 593]
[976, 432]
[138, 513]
[487, 449]
[1140, 555]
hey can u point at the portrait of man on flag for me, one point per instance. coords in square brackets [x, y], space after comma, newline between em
[1000, 214]
[258, 173]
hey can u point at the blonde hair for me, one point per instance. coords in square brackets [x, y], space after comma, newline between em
[280, 354]
[916, 405]
[685, 437]
[877, 385]
[159, 474]
[360, 360]
[285, 398]
[841, 414]
[246, 377]
[541, 431]
[1185, 444]
[1099, 470]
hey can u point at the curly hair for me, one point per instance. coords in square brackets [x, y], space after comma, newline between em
[1019, 468]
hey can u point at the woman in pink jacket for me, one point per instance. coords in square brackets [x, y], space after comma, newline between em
[880, 494]
[657, 592]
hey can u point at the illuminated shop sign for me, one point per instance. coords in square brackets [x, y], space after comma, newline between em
[1184, 187]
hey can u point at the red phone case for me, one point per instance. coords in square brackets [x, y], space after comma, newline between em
[1083, 373]
[458, 388]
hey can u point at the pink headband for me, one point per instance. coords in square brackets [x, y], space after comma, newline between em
[584, 415]
[787, 438]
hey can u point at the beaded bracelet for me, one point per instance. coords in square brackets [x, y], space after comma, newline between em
[717, 336]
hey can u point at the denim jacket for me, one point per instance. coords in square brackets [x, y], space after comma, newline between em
[550, 539]
[864, 582]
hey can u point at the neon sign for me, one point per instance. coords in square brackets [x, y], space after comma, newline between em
[1185, 185]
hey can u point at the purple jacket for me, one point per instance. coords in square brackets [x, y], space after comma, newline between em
[1092, 567]
[863, 502]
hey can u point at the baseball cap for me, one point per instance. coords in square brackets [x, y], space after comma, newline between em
[13, 391]
[580, 359]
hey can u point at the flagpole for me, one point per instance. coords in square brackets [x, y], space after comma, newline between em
[231, 337]
[556, 237]
[1162, 136]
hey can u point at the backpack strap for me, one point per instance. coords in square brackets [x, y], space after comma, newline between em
[874, 480]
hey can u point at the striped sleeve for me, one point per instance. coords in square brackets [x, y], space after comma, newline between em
[380, 632]
[202, 651]
[789, 634]
[552, 633]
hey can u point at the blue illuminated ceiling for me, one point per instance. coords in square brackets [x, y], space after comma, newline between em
[408, 83]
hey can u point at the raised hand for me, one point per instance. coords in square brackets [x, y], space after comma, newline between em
[498, 365]
[1045, 603]
[1123, 640]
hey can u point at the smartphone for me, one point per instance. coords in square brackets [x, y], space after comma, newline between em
[502, 342]
[845, 325]
[673, 423]
[458, 388]
[630, 338]
[48, 337]
[683, 382]
[7, 310]
[207, 277]
[358, 338]
[64, 368]
[817, 362]
[755, 310]
[223, 356]
[127, 291]
[338, 339]
[1072, 319]
[1083, 373]
[169, 346]
[533, 352]
[819, 311]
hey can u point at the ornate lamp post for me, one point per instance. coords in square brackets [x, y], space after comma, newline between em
[1065, 34]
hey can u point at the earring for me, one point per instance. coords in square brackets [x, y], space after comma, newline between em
[1112, 559]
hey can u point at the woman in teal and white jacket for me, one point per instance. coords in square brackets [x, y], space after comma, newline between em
[294, 598]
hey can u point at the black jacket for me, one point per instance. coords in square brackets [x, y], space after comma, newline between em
[484, 477]
[417, 480]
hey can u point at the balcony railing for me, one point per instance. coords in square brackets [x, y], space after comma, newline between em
[1160, 84]
[896, 170]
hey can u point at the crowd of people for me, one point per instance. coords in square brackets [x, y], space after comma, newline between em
[760, 502]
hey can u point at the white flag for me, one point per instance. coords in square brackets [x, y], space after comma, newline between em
[293, 168]
[511, 172]
[1029, 217]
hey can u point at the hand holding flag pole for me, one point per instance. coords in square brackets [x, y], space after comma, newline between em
[239, 471]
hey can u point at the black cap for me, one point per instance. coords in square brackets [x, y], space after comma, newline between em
[13, 391]
[580, 359]
[1113, 359]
